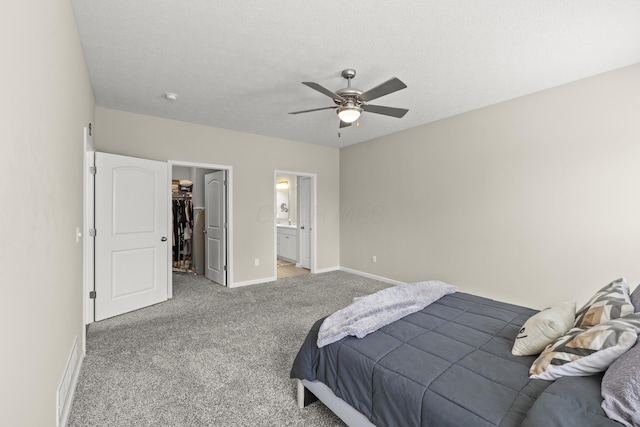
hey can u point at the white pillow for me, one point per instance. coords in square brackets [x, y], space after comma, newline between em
[584, 352]
[543, 328]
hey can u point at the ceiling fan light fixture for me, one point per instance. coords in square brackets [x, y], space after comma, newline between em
[349, 113]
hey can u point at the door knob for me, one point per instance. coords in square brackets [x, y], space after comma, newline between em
[164, 239]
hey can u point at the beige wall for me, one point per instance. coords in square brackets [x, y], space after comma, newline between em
[46, 102]
[529, 201]
[254, 159]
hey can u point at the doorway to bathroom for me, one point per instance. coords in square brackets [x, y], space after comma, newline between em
[295, 223]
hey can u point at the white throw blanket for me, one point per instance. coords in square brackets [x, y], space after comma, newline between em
[370, 313]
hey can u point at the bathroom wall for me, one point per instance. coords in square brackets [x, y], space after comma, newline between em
[288, 196]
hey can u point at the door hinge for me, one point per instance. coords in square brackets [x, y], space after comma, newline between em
[92, 294]
[93, 170]
[226, 225]
[93, 232]
[225, 268]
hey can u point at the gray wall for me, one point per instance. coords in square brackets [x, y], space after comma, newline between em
[531, 201]
[47, 100]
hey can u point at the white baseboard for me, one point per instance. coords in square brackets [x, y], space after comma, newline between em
[372, 276]
[66, 410]
[253, 282]
[326, 270]
[319, 271]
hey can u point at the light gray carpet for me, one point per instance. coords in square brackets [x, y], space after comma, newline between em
[211, 356]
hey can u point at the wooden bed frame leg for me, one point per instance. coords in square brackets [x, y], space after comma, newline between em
[305, 397]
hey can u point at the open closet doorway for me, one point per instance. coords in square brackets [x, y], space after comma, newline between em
[294, 223]
[200, 213]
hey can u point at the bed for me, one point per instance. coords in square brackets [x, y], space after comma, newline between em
[449, 364]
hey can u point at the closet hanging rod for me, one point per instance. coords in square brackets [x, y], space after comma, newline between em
[181, 196]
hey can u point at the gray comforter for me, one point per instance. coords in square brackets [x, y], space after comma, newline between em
[449, 365]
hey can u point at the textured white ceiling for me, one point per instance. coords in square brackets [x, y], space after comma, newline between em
[238, 65]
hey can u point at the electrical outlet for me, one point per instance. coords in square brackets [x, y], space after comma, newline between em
[374, 259]
[256, 262]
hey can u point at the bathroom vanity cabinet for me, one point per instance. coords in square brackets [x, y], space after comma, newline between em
[287, 242]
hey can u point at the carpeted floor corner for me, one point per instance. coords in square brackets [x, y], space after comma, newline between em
[211, 356]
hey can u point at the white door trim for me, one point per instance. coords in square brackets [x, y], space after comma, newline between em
[88, 219]
[314, 209]
[229, 169]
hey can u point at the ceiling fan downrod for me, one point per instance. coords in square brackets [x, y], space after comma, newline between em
[348, 74]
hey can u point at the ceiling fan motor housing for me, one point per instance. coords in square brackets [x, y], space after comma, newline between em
[350, 95]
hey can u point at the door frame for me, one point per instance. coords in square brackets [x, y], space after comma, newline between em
[229, 169]
[313, 220]
[88, 221]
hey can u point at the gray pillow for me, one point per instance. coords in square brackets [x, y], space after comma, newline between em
[635, 299]
[621, 388]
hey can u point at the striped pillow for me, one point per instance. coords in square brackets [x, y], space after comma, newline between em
[585, 351]
[610, 302]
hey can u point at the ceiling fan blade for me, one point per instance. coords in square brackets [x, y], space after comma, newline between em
[323, 90]
[390, 86]
[314, 109]
[344, 124]
[387, 111]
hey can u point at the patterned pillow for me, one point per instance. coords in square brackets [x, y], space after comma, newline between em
[587, 351]
[610, 302]
[543, 328]
[621, 388]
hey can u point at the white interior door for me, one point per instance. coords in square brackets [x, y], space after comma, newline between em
[304, 212]
[131, 225]
[215, 227]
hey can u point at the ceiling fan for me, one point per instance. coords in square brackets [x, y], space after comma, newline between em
[351, 102]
